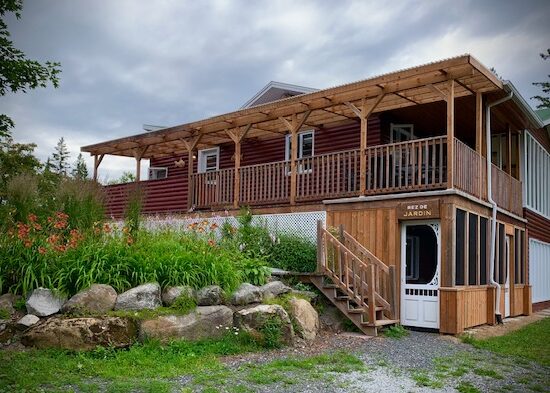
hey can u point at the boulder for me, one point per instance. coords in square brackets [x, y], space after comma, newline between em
[99, 298]
[273, 289]
[246, 294]
[27, 321]
[254, 320]
[203, 322]
[81, 333]
[310, 295]
[44, 302]
[210, 296]
[7, 302]
[305, 318]
[170, 294]
[146, 296]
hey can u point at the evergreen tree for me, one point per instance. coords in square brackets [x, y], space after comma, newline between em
[80, 170]
[544, 101]
[60, 158]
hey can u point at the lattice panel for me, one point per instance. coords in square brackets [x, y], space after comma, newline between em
[300, 224]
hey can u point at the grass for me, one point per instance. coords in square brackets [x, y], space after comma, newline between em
[396, 332]
[467, 387]
[531, 342]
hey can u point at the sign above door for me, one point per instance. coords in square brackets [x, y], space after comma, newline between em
[418, 210]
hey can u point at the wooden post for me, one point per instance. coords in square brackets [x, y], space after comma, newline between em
[294, 126]
[509, 158]
[320, 251]
[190, 146]
[97, 162]
[371, 293]
[138, 169]
[237, 138]
[479, 123]
[450, 132]
[393, 292]
[363, 114]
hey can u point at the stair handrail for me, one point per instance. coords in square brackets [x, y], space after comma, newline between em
[363, 249]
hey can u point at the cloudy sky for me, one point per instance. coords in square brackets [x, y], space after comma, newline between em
[126, 63]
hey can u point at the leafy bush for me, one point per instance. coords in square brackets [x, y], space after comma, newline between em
[271, 333]
[294, 253]
[184, 303]
[82, 200]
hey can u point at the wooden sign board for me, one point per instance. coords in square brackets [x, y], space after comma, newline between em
[424, 210]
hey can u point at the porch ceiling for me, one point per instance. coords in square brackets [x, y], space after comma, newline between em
[413, 86]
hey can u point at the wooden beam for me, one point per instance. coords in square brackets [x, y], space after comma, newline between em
[509, 158]
[437, 90]
[450, 132]
[97, 162]
[405, 98]
[479, 123]
[138, 154]
[237, 136]
[190, 145]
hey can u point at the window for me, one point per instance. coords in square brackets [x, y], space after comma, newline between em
[156, 173]
[472, 248]
[209, 160]
[305, 149]
[499, 151]
[401, 132]
[536, 166]
[519, 257]
[460, 237]
[483, 222]
[471, 245]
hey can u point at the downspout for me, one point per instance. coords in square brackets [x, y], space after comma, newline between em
[492, 245]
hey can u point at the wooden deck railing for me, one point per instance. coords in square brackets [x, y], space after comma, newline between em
[213, 188]
[334, 175]
[416, 165]
[407, 166]
[357, 275]
[470, 171]
[507, 191]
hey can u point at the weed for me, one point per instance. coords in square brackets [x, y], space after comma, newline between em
[271, 334]
[422, 379]
[467, 387]
[485, 372]
[4, 314]
[396, 332]
[184, 304]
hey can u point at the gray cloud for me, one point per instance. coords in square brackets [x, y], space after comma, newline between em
[126, 63]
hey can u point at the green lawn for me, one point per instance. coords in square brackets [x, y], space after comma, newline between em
[530, 342]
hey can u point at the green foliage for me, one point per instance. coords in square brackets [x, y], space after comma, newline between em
[254, 270]
[60, 158]
[20, 304]
[4, 314]
[294, 253]
[22, 198]
[82, 200]
[396, 332]
[467, 387]
[80, 170]
[544, 100]
[132, 214]
[530, 342]
[184, 303]
[271, 334]
[126, 177]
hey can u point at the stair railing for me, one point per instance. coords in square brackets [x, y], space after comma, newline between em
[357, 272]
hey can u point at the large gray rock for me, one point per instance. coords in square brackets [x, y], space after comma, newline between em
[246, 294]
[305, 318]
[27, 321]
[171, 294]
[204, 322]
[99, 298]
[146, 296]
[81, 333]
[273, 289]
[255, 320]
[44, 302]
[7, 302]
[210, 296]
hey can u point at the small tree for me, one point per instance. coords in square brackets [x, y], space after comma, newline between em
[126, 177]
[80, 170]
[544, 101]
[60, 158]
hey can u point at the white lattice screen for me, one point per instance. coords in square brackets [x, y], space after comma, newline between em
[301, 224]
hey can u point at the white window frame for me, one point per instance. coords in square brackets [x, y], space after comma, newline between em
[300, 149]
[203, 154]
[536, 182]
[154, 170]
[394, 127]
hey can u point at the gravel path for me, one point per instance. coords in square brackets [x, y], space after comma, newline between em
[419, 362]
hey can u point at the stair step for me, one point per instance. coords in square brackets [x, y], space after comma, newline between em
[355, 311]
[384, 322]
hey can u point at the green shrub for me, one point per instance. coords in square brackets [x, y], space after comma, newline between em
[82, 200]
[396, 332]
[4, 314]
[271, 334]
[184, 303]
[294, 253]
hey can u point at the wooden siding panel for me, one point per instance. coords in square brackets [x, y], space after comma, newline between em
[538, 227]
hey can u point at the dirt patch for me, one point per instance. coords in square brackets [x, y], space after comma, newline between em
[509, 325]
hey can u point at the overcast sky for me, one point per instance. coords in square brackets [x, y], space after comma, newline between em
[126, 63]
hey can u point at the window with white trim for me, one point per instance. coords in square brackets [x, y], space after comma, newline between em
[306, 141]
[536, 180]
[156, 173]
[209, 160]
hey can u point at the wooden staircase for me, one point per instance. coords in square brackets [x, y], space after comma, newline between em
[355, 280]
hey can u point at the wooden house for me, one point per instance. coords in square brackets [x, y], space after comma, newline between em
[429, 173]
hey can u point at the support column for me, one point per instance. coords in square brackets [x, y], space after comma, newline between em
[190, 145]
[479, 141]
[363, 114]
[450, 132]
[237, 136]
[293, 127]
[97, 162]
[138, 154]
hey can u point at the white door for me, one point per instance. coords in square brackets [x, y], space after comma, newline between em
[420, 260]
[507, 280]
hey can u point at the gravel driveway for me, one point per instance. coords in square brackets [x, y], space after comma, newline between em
[419, 362]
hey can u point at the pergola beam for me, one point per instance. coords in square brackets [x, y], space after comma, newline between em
[237, 135]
